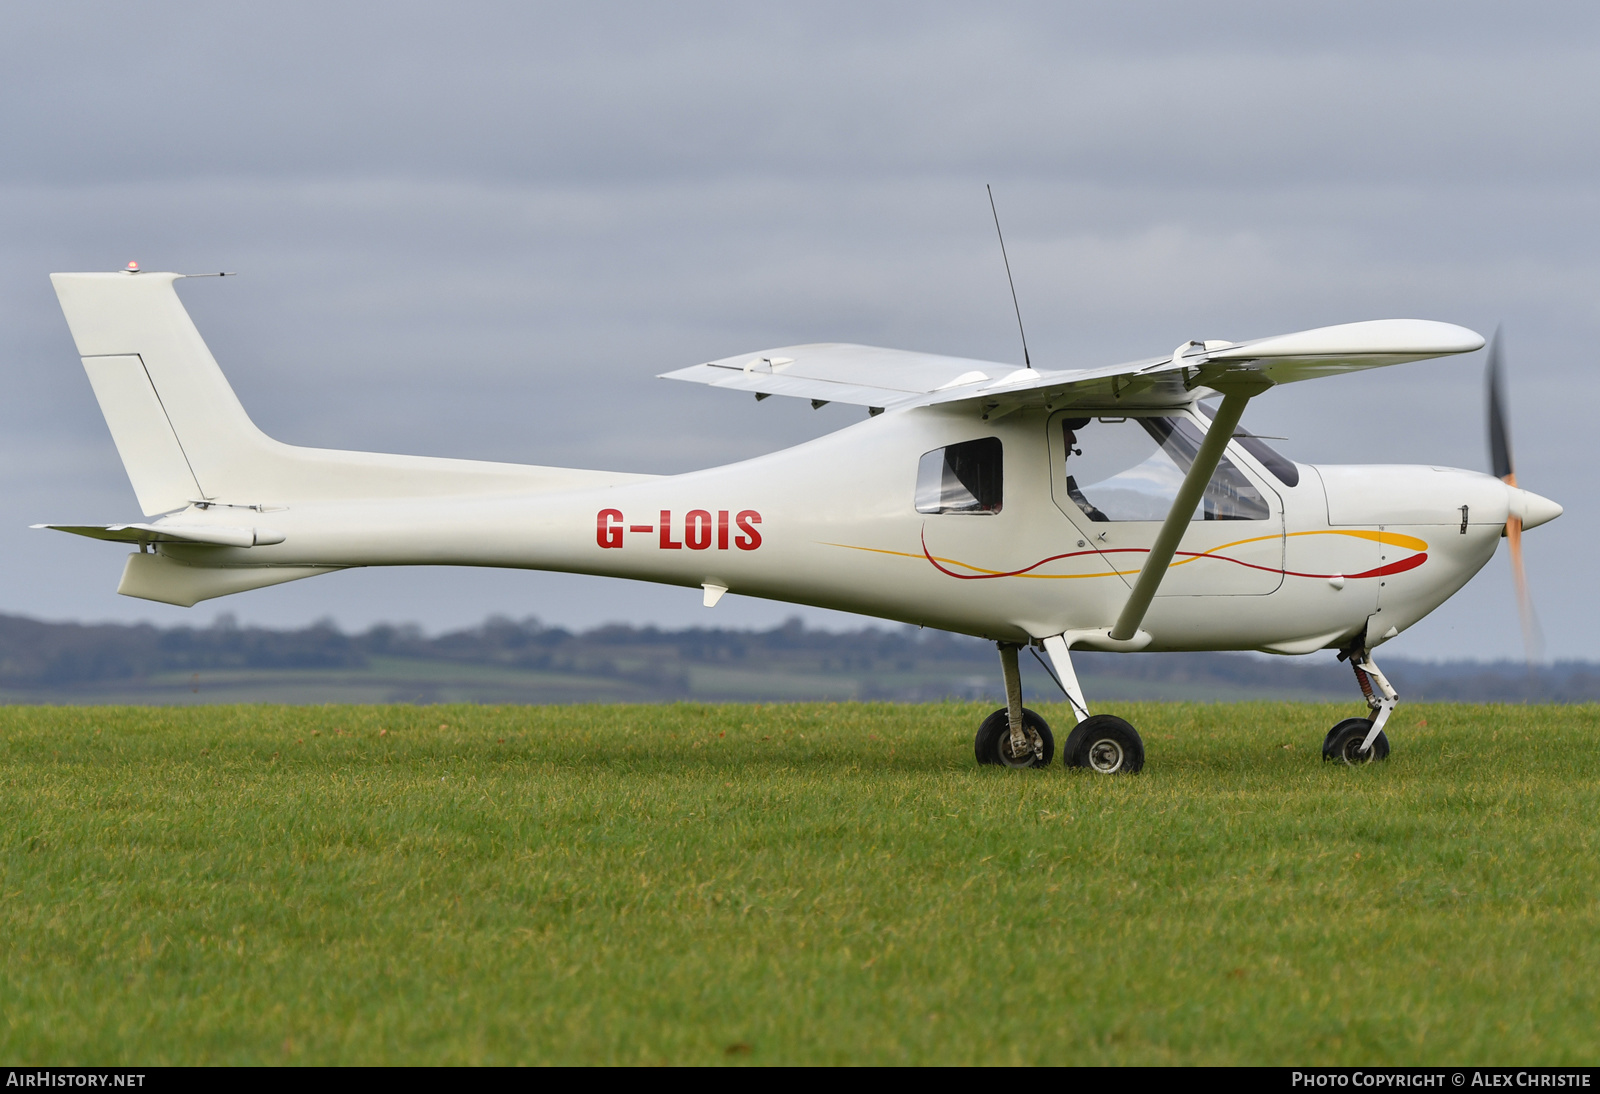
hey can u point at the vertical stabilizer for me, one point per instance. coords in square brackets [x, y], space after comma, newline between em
[183, 435]
[177, 424]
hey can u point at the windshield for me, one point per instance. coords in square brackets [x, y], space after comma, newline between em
[1123, 469]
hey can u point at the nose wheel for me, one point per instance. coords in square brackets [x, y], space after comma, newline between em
[1344, 741]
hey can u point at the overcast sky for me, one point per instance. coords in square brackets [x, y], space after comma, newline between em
[480, 230]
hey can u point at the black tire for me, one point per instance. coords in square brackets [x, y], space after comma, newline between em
[1344, 739]
[993, 743]
[1104, 743]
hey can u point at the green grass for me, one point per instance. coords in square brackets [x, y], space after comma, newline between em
[781, 884]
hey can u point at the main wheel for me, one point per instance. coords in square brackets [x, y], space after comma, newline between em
[1104, 743]
[993, 743]
[1343, 743]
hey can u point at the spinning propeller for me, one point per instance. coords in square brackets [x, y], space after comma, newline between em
[1503, 468]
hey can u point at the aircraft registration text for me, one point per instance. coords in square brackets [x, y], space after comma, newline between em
[698, 530]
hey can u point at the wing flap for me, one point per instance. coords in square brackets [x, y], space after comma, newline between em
[841, 372]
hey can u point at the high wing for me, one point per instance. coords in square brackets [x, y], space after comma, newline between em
[881, 378]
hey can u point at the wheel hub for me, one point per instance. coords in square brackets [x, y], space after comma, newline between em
[1032, 748]
[1352, 753]
[1105, 756]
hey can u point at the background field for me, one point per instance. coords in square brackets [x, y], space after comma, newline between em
[804, 883]
[509, 661]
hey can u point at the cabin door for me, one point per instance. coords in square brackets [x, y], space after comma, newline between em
[1114, 479]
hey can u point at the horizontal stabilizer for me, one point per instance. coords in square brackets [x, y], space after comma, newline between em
[213, 535]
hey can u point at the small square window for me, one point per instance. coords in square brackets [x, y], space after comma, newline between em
[962, 478]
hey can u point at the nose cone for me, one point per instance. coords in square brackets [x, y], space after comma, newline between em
[1533, 509]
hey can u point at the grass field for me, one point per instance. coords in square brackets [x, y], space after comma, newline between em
[791, 884]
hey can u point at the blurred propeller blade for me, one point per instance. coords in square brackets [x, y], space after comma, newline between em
[1500, 464]
[1504, 468]
[1532, 634]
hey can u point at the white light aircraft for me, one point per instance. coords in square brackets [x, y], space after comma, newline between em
[1098, 509]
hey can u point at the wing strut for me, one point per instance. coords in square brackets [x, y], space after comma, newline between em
[1234, 398]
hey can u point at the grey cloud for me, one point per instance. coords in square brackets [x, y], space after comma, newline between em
[481, 230]
[1220, 92]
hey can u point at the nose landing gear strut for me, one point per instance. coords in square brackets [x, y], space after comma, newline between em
[1362, 740]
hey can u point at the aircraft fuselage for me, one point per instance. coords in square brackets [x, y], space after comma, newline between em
[1340, 552]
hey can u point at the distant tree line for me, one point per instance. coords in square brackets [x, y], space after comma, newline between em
[33, 652]
[37, 654]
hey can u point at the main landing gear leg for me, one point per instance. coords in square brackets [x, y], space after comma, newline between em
[1061, 659]
[1012, 675]
[1014, 736]
[1100, 742]
[1362, 740]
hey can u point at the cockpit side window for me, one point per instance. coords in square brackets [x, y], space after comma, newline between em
[1126, 469]
[962, 478]
[1282, 468]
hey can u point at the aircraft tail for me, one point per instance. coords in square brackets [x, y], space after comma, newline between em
[177, 424]
[184, 437]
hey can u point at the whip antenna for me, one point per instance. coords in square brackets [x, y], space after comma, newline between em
[1026, 363]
